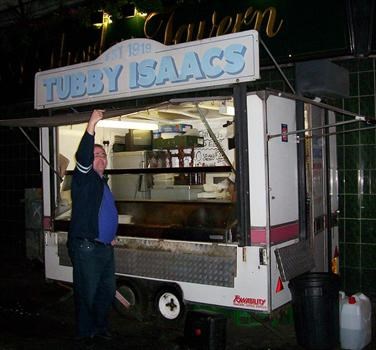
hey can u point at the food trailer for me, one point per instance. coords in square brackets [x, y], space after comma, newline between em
[222, 197]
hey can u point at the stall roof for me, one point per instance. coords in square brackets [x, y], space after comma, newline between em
[68, 118]
[75, 117]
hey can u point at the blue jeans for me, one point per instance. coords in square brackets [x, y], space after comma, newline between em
[93, 285]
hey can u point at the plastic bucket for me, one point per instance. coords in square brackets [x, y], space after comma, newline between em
[315, 303]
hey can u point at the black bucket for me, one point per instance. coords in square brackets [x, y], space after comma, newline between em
[315, 304]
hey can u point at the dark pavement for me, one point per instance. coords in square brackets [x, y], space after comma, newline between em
[38, 314]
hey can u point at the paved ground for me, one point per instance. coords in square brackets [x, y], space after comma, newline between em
[35, 315]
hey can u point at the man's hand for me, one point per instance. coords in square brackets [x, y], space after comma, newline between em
[95, 117]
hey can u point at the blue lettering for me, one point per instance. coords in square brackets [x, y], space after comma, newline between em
[63, 87]
[211, 70]
[113, 76]
[49, 83]
[94, 82]
[80, 83]
[78, 87]
[156, 69]
[191, 67]
[167, 71]
[133, 75]
[146, 71]
[234, 57]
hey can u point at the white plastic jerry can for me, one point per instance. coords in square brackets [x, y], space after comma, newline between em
[355, 321]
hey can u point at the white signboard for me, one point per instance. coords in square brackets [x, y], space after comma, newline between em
[143, 67]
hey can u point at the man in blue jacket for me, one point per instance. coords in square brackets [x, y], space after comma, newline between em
[91, 238]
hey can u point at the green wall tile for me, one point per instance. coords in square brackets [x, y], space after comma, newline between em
[341, 230]
[351, 182]
[367, 134]
[368, 256]
[352, 206]
[352, 277]
[340, 138]
[352, 255]
[372, 182]
[368, 206]
[367, 106]
[352, 104]
[341, 181]
[340, 157]
[352, 231]
[369, 181]
[368, 285]
[367, 156]
[365, 181]
[354, 84]
[341, 206]
[351, 138]
[368, 230]
[351, 157]
[342, 274]
[339, 116]
[365, 65]
[366, 83]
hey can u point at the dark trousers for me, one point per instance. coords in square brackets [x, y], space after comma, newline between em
[93, 285]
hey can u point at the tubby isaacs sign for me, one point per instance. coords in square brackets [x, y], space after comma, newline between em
[142, 67]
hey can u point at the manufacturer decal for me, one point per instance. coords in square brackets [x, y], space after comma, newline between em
[250, 302]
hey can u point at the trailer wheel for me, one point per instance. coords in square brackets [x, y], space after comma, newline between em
[169, 304]
[129, 301]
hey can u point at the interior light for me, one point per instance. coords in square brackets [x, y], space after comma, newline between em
[225, 109]
[127, 124]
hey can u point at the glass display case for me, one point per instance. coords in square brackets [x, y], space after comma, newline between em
[168, 203]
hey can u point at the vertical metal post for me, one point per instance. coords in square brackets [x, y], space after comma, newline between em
[329, 223]
[301, 172]
[242, 163]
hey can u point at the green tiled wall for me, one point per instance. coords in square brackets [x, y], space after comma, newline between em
[357, 183]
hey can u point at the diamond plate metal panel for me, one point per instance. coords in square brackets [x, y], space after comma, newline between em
[184, 267]
[294, 260]
[209, 264]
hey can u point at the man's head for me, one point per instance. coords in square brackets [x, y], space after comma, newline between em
[100, 159]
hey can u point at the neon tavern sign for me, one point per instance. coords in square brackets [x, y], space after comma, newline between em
[144, 67]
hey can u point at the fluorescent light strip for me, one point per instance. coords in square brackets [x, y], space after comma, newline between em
[127, 124]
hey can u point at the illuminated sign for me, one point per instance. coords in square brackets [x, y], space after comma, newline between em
[143, 67]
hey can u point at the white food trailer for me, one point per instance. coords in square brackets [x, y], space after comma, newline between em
[182, 238]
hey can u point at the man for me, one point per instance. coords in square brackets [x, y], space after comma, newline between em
[91, 237]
